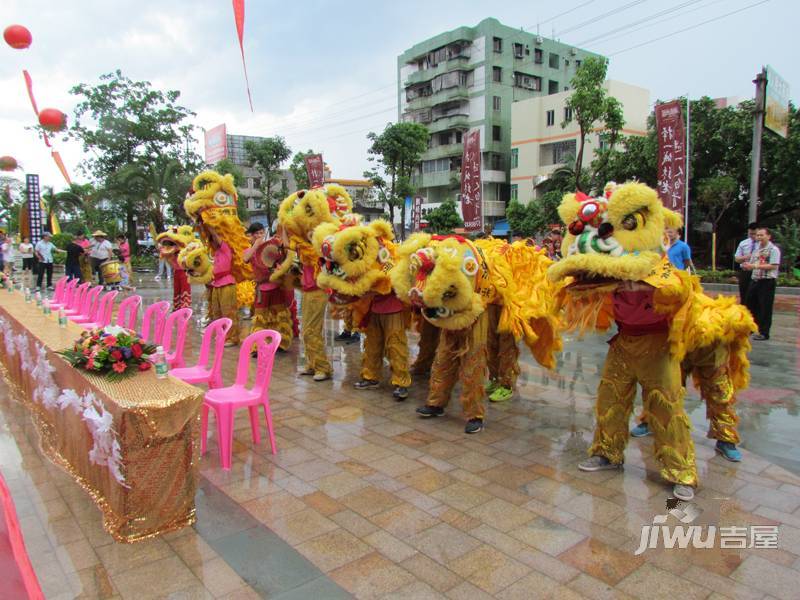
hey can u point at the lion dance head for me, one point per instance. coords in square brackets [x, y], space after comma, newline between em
[172, 241]
[300, 213]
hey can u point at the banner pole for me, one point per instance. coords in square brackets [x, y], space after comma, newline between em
[688, 166]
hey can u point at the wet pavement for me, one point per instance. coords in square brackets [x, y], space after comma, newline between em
[364, 499]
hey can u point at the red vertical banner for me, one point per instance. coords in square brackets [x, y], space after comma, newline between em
[216, 144]
[315, 170]
[416, 213]
[471, 205]
[671, 155]
[238, 15]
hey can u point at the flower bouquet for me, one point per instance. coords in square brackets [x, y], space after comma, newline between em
[112, 351]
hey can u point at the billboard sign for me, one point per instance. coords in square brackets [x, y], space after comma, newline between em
[776, 115]
[315, 169]
[671, 155]
[216, 144]
[471, 201]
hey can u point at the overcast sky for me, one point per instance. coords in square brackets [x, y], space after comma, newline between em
[323, 74]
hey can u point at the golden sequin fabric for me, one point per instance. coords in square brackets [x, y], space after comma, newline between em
[156, 422]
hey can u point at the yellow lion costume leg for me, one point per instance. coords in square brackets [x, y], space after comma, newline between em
[502, 352]
[461, 356]
[313, 311]
[222, 303]
[428, 342]
[709, 369]
[272, 316]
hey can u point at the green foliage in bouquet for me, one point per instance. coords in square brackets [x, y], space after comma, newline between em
[113, 351]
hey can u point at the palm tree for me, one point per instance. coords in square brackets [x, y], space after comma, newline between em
[157, 182]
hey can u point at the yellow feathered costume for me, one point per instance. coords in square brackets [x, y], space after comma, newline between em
[616, 270]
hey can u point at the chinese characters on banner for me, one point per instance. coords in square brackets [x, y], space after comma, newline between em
[471, 206]
[416, 213]
[216, 144]
[314, 168]
[671, 155]
[34, 208]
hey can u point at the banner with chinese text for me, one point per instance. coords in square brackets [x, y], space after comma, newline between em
[671, 155]
[776, 117]
[315, 170]
[471, 206]
[34, 207]
[416, 213]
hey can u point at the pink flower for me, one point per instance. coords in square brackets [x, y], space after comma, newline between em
[144, 366]
[119, 367]
[90, 363]
[110, 340]
[136, 349]
[116, 355]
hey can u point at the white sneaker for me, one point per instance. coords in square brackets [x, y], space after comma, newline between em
[683, 492]
[597, 463]
[157, 278]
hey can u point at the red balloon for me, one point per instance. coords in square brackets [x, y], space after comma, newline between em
[17, 36]
[52, 119]
[8, 163]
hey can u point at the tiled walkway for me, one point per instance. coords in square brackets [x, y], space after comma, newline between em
[363, 499]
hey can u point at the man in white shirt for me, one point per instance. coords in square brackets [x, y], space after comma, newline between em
[764, 264]
[44, 253]
[744, 251]
[101, 251]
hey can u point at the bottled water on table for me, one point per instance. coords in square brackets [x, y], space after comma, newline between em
[160, 363]
[62, 318]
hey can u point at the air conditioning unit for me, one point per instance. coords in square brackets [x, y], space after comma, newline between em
[539, 39]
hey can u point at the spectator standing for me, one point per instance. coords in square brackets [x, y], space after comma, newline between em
[2, 241]
[125, 251]
[26, 251]
[9, 254]
[44, 253]
[679, 252]
[743, 253]
[72, 267]
[101, 251]
[764, 264]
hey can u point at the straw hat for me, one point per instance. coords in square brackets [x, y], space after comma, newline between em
[99, 233]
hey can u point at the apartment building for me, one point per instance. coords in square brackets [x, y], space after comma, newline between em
[544, 135]
[469, 78]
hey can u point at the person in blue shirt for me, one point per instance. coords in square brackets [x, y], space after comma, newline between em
[679, 253]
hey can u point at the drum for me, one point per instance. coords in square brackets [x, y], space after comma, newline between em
[268, 254]
[110, 271]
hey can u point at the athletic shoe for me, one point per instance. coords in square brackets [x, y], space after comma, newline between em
[400, 393]
[366, 384]
[321, 376]
[231, 344]
[430, 411]
[759, 337]
[306, 372]
[598, 463]
[729, 451]
[683, 492]
[641, 430]
[343, 337]
[501, 394]
[354, 337]
[491, 386]
[474, 426]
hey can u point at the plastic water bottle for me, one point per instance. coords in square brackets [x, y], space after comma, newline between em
[39, 299]
[46, 306]
[160, 363]
[10, 286]
[62, 318]
[27, 295]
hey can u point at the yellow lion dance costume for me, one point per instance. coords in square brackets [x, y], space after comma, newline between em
[616, 268]
[170, 243]
[355, 265]
[298, 216]
[212, 206]
[453, 281]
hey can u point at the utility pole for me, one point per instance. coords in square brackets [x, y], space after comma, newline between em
[758, 130]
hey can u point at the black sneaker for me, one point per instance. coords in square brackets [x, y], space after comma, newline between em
[430, 411]
[343, 337]
[353, 339]
[474, 426]
[366, 384]
[400, 393]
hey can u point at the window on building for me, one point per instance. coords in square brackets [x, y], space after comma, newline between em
[444, 138]
[497, 44]
[458, 137]
[514, 158]
[554, 60]
[497, 133]
[496, 161]
[528, 82]
[514, 192]
[497, 74]
[577, 64]
[256, 183]
[496, 103]
[556, 153]
[602, 142]
[434, 166]
[538, 56]
[552, 87]
[567, 114]
[519, 50]
[551, 117]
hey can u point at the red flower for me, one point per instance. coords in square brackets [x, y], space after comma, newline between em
[116, 355]
[86, 352]
[90, 363]
[119, 367]
[136, 349]
[144, 366]
[109, 340]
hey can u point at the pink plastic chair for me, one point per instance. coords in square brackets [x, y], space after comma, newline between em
[224, 401]
[58, 292]
[128, 312]
[76, 301]
[103, 315]
[91, 304]
[66, 294]
[156, 314]
[178, 320]
[201, 372]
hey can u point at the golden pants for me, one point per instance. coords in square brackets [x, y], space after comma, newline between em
[313, 313]
[276, 317]
[645, 360]
[428, 342]
[708, 367]
[86, 269]
[386, 335]
[347, 320]
[222, 303]
[502, 351]
[461, 356]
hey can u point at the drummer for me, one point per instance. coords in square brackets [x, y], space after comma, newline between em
[100, 252]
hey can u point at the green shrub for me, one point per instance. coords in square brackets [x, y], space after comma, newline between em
[723, 276]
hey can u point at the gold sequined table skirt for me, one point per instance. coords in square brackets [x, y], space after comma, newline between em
[151, 425]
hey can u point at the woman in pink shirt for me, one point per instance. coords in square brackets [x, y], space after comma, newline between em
[125, 251]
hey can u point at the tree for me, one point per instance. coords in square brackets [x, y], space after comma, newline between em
[787, 236]
[122, 122]
[397, 150]
[590, 104]
[158, 183]
[267, 156]
[536, 216]
[444, 218]
[298, 169]
[716, 195]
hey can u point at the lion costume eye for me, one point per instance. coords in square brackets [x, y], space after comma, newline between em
[469, 266]
[634, 220]
[384, 256]
[355, 251]
[223, 199]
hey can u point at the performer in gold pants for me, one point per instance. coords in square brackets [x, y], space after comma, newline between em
[271, 312]
[313, 323]
[386, 335]
[222, 303]
[502, 357]
[428, 342]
